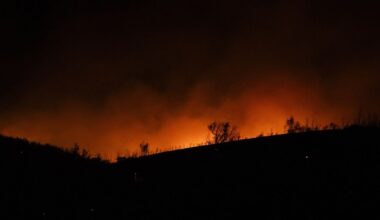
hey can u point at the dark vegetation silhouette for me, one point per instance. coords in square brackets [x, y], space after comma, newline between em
[327, 173]
[222, 132]
[144, 148]
[294, 126]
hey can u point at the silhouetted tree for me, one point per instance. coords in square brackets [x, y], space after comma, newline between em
[289, 125]
[222, 132]
[144, 148]
[293, 126]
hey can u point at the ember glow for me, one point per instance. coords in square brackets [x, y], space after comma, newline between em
[110, 76]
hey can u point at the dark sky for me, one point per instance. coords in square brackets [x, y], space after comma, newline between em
[109, 74]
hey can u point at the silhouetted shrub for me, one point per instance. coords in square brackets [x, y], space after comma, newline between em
[294, 126]
[85, 154]
[75, 150]
[331, 126]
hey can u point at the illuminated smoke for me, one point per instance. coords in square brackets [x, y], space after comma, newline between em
[160, 74]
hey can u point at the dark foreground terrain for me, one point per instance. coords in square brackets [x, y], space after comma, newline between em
[317, 175]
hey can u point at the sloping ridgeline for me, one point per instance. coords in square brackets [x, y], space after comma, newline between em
[316, 175]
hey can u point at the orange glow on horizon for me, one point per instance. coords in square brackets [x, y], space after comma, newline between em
[118, 129]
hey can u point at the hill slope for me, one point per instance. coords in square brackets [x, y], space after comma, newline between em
[315, 175]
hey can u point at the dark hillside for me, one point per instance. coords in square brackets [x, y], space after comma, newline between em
[39, 179]
[331, 174]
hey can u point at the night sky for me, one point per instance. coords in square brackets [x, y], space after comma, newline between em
[110, 74]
